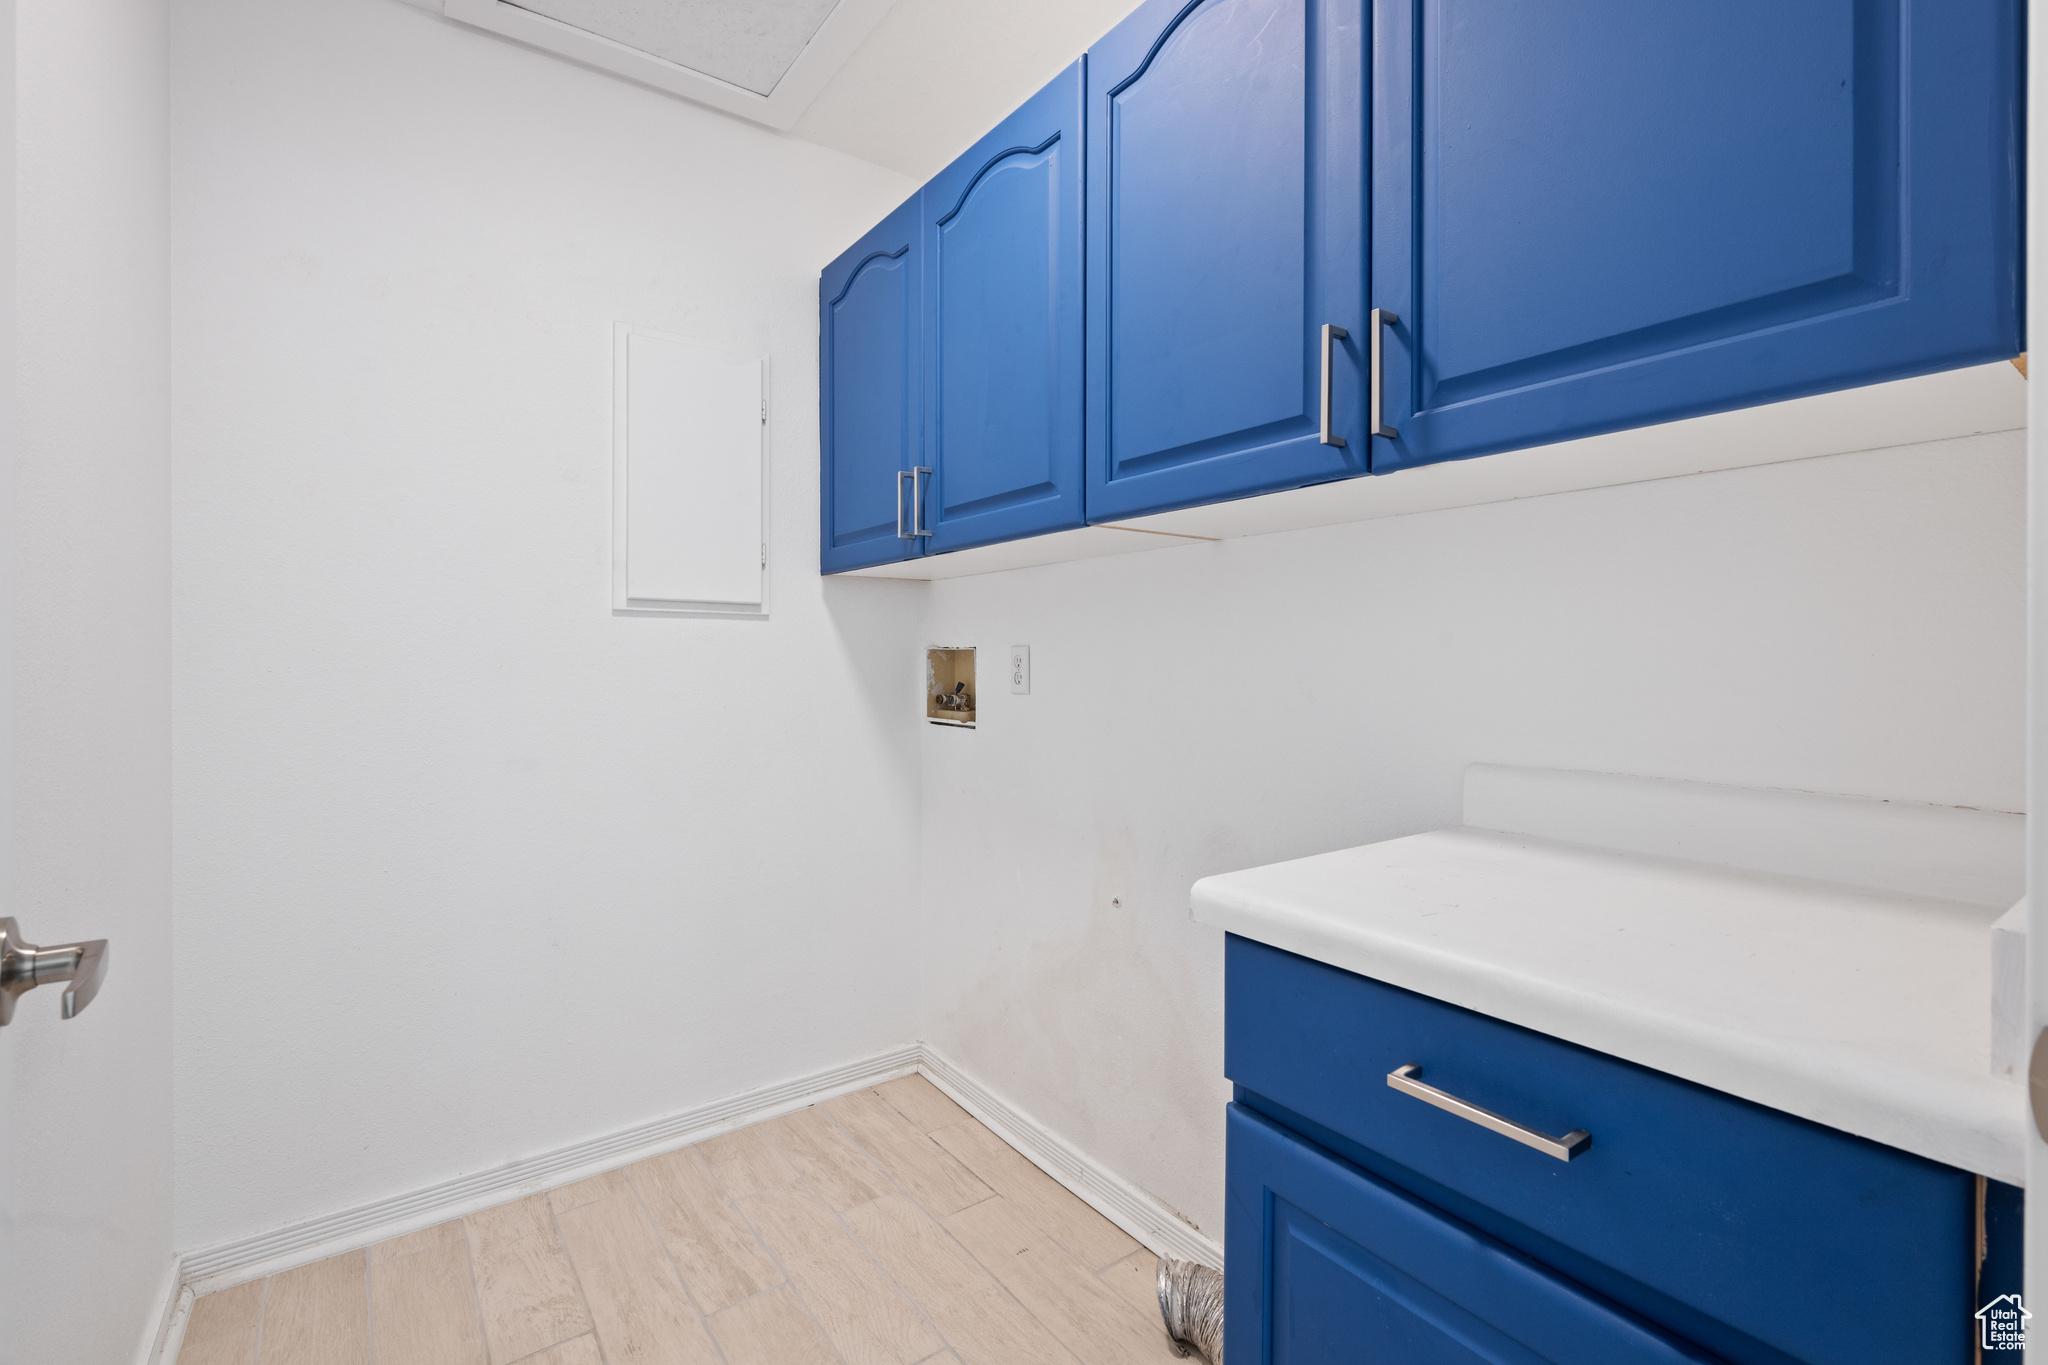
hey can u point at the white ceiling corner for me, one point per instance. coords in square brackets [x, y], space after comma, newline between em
[937, 74]
[765, 60]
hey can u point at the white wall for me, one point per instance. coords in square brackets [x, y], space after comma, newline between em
[467, 867]
[1849, 624]
[88, 547]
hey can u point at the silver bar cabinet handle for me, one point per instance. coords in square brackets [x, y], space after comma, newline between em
[1377, 426]
[901, 475]
[917, 526]
[1572, 1144]
[1332, 334]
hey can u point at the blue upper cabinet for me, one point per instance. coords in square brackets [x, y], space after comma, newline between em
[868, 397]
[1002, 328]
[1248, 245]
[1226, 228]
[1603, 214]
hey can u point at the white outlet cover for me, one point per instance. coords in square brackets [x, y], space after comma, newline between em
[1020, 670]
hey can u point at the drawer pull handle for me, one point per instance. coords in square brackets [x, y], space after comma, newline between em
[1402, 1078]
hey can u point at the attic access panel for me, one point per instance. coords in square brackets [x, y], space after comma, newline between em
[764, 60]
[749, 45]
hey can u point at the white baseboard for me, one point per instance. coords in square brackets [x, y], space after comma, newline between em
[167, 1332]
[1156, 1226]
[226, 1264]
[251, 1258]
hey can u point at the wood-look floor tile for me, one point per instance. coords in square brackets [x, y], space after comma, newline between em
[426, 1239]
[930, 1174]
[977, 1316]
[923, 1103]
[581, 1351]
[607, 1186]
[772, 1329]
[1036, 1197]
[822, 1155]
[745, 1162]
[720, 1259]
[222, 1328]
[318, 1314]
[638, 1303]
[526, 1286]
[861, 1311]
[1136, 1278]
[1090, 1319]
[423, 1310]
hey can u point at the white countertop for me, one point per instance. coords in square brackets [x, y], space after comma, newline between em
[1863, 1009]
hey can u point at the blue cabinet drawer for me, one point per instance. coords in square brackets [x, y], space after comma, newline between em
[1763, 1237]
[1349, 1269]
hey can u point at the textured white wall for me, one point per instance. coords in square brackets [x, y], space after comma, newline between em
[88, 546]
[469, 868]
[1849, 624]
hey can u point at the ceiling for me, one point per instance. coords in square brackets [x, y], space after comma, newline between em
[750, 44]
[934, 75]
[906, 84]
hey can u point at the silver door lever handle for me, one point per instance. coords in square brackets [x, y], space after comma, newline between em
[23, 967]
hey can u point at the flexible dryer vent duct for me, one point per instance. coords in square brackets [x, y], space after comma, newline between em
[1191, 1301]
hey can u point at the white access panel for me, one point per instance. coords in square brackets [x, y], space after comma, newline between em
[688, 531]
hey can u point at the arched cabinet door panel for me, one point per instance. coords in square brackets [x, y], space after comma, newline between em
[1226, 209]
[1600, 215]
[1003, 328]
[868, 396]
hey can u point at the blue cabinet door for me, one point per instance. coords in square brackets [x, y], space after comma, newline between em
[1599, 215]
[1002, 328]
[1329, 1266]
[868, 382]
[1723, 1220]
[1226, 212]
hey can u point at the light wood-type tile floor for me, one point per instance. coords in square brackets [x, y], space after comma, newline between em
[885, 1227]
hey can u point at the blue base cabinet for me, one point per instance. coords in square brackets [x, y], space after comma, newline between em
[1603, 214]
[1694, 1222]
[1350, 1269]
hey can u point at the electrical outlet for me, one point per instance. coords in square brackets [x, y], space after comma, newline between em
[1020, 670]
